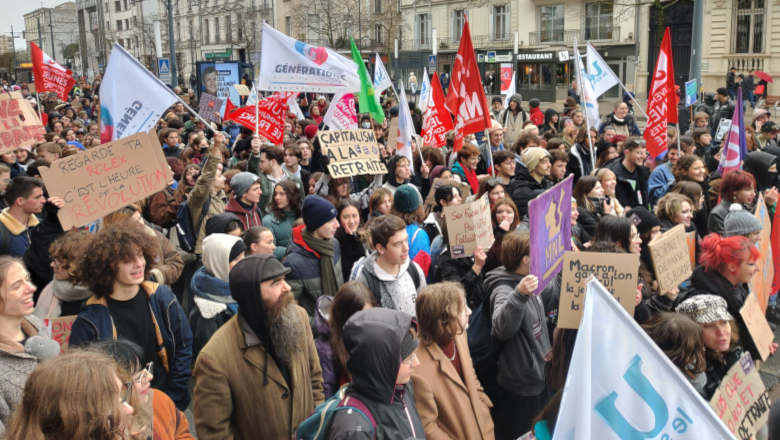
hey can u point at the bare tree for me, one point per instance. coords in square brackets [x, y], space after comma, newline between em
[330, 22]
[385, 25]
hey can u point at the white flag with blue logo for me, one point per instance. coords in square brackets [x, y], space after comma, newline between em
[405, 127]
[382, 80]
[588, 98]
[621, 386]
[425, 91]
[602, 78]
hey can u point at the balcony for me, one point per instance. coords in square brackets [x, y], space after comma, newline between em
[566, 37]
[747, 62]
[259, 9]
[343, 43]
[421, 44]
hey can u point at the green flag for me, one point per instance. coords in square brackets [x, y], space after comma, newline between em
[366, 99]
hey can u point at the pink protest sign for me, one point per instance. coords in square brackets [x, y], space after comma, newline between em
[341, 114]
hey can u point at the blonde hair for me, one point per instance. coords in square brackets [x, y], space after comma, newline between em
[670, 205]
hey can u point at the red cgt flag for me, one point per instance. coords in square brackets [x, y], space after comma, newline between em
[271, 111]
[662, 107]
[229, 107]
[50, 76]
[436, 120]
[466, 97]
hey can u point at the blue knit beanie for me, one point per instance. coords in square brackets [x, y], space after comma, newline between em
[316, 212]
[406, 198]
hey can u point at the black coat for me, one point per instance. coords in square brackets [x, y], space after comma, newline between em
[521, 186]
[460, 271]
[37, 257]
[626, 194]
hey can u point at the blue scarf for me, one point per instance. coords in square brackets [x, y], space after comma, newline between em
[212, 288]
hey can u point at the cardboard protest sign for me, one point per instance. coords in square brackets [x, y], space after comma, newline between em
[469, 227]
[741, 401]
[242, 89]
[690, 238]
[617, 272]
[759, 329]
[76, 104]
[351, 152]
[670, 258]
[19, 125]
[59, 330]
[761, 284]
[210, 107]
[106, 178]
[550, 224]
[392, 133]
[430, 202]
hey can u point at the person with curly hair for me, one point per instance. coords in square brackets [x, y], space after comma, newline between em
[115, 267]
[64, 295]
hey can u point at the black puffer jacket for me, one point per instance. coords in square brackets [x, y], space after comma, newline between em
[37, 257]
[373, 341]
[522, 185]
[627, 194]
[548, 115]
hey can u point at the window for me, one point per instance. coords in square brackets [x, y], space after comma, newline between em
[598, 21]
[349, 27]
[206, 31]
[551, 23]
[178, 31]
[748, 26]
[422, 31]
[117, 5]
[136, 42]
[314, 22]
[216, 30]
[378, 33]
[288, 26]
[106, 9]
[499, 22]
[228, 29]
[240, 33]
[458, 20]
[93, 20]
[119, 25]
[125, 3]
[127, 23]
[121, 42]
[377, 6]
[135, 21]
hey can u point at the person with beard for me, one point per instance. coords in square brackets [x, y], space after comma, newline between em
[382, 355]
[314, 255]
[620, 120]
[259, 376]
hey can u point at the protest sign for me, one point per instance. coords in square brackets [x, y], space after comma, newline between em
[550, 225]
[242, 89]
[670, 258]
[76, 104]
[617, 273]
[19, 125]
[341, 112]
[430, 202]
[690, 238]
[210, 107]
[757, 326]
[761, 284]
[392, 133]
[59, 330]
[741, 400]
[270, 111]
[469, 226]
[106, 178]
[351, 152]
[723, 128]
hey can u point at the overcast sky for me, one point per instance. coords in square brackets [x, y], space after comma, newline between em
[13, 15]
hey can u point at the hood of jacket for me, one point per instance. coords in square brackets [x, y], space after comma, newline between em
[216, 254]
[373, 339]
[235, 207]
[391, 178]
[212, 295]
[757, 163]
[322, 315]
[548, 115]
[500, 276]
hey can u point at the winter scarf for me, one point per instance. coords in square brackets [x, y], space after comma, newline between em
[207, 286]
[323, 248]
[57, 292]
[471, 176]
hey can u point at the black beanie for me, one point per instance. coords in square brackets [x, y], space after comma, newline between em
[643, 219]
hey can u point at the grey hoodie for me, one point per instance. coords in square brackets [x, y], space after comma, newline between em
[513, 122]
[397, 291]
[519, 322]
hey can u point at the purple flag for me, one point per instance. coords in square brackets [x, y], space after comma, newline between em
[550, 223]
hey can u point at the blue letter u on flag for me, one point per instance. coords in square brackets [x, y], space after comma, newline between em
[639, 383]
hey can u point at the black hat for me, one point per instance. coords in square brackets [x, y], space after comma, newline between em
[602, 146]
[643, 219]
[497, 99]
[769, 126]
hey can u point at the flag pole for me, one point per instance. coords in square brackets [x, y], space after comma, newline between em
[38, 105]
[257, 111]
[578, 60]
[633, 98]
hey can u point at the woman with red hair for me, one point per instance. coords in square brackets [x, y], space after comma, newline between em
[735, 187]
[727, 265]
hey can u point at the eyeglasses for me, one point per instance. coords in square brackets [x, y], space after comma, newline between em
[146, 373]
[129, 386]
[411, 359]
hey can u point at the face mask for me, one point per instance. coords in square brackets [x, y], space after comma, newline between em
[366, 125]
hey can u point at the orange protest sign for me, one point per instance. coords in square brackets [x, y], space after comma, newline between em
[691, 237]
[759, 329]
[19, 125]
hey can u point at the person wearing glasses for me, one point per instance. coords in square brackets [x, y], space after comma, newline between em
[154, 410]
[382, 349]
[632, 175]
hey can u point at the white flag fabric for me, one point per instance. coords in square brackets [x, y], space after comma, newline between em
[252, 98]
[132, 99]
[405, 127]
[382, 80]
[602, 78]
[621, 386]
[510, 91]
[425, 91]
[588, 98]
[288, 64]
[341, 113]
[292, 103]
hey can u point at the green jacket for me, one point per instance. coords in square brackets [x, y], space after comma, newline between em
[267, 186]
[281, 230]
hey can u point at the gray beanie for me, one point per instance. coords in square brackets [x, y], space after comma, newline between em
[740, 222]
[241, 182]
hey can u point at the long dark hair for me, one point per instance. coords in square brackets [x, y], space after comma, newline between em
[581, 190]
[681, 340]
[615, 230]
[293, 196]
[443, 192]
[351, 298]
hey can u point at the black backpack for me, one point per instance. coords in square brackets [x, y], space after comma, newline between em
[375, 286]
[5, 240]
[185, 227]
[484, 348]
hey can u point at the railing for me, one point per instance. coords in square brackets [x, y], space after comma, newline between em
[603, 33]
[418, 44]
[747, 62]
[259, 9]
[599, 34]
[343, 43]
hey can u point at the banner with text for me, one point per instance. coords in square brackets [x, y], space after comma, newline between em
[341, 112]
[671, 258]
[19, 125]
[550, 224]
[351, 152]
[59, 330]
[469, 226]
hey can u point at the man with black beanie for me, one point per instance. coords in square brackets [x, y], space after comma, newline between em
[258, 360]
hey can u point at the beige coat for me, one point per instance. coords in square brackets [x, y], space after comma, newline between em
[198, 196]
[450, 407]
[230, 400]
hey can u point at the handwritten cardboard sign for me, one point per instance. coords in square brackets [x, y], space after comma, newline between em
[106, 178]
[690, 238]
[19, 125]
[550, 226]
[469, 227]
[671, 258]
[351, 152]
[761, 284]
[430, 202]
[392, 134]
[617, 272]
[759, 329]
[741, 401]
[210, 107]
[59, 330]
[242, 89]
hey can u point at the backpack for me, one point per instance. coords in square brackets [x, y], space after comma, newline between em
[484, 348]
[375, 286]
[185, 230]
[317, 425]
[5, 240]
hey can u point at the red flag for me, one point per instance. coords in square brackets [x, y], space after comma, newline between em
[49, 75]
[229, 107]
[662, 107]
[271, 113]
[436, 120]
[466, 97]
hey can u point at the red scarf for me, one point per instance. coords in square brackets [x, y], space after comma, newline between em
[471, 178]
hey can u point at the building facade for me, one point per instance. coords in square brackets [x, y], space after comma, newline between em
[6, 44]
[53, 29]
